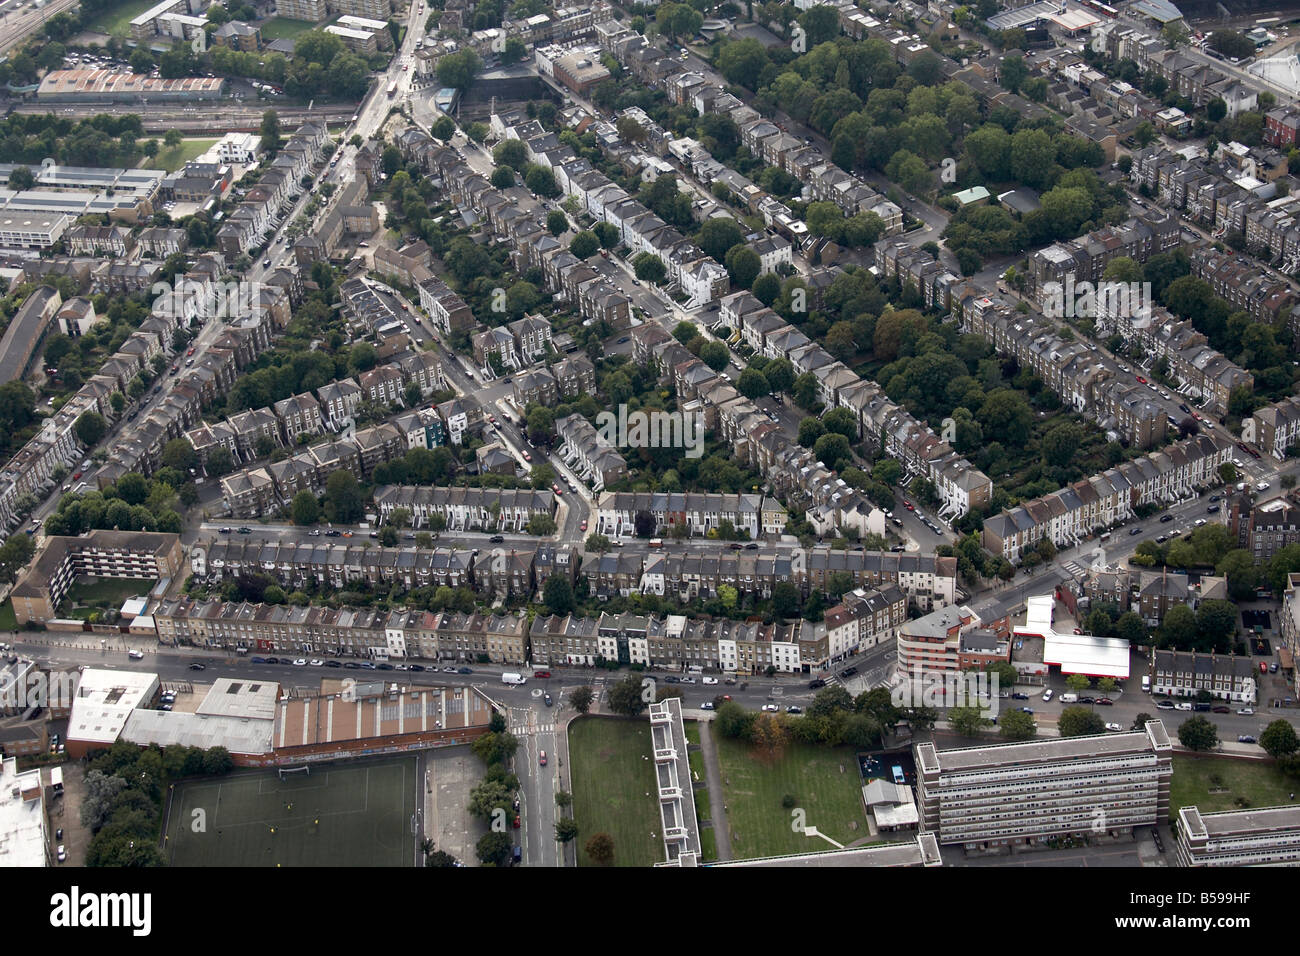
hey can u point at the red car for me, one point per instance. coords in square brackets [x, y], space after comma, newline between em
[190, 352]
[541, 758]
[1141, 380]
[516, 821]
[492, 419]
[558, 492]
[541, 674]
[527, 457]
[911, 507]
[76, 475]
[584, 526]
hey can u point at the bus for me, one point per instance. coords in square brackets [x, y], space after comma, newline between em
[392, 89]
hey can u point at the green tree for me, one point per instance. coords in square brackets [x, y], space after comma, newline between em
[1017, 725]
[494, 848]
[1279, 739]
[1197, 733]
[627, 697]
[566, 829]
[90, 428]
[343, 501]
[600, 849]
[558, 594]
[967, 721]
[305, 508]
[581, 699]
[1080, 722]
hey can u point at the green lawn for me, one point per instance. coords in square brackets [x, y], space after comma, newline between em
[7, 620]
[117, 20]
[280, 28]
[824, 782]
[1260, 782]
[107, 592]
[614, 788]
[173, 159]
[708, 846]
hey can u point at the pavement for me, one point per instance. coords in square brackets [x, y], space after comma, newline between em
[713, 778]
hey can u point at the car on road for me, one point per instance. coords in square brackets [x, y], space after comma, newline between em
[1016, 695]
[771, 708]
[527, 456]
[384, 667]
[245, 530]
[497, 538]
[333, 533]
[848, 672]
[1166, 517]
[1221, 709]
[347, 534]
[1027, 710]
[135, 655]
[62, 854]
[196, 666]
[316, 662]
[464, 670]
[547, 699]
[623, 340]
[1105, 702]
[314, 532]
[1183, 705]
[541, 674]
[1047, 694]
[258, 660]
[415, 667]
[688, 680]
[1133, 531]
[1114, 727]
[1245, 739]
[707, 705]
[672, 679]
[583, 526]
[556, 490]
[1164, 705]
[300, 662]
[541, 758]
[352, 665]
[794, 709]
[1212, 510]
[816, 684]
[338, 664]
[709, 680]
[1247, 711]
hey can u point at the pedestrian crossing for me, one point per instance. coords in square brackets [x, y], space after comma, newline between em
[1074, 569]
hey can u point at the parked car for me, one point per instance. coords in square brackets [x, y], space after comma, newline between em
[1247, 711]
[771, 708]
[1047, 694]
[1220, 709]
[710, 680]
[464, 670]
[794, 709]
[1019, 696]
[542, 674]
[707, 705]
[135, 655]
[1105, 701]
[848, 672]
[196, 666]
[1245, 739]
[1164, 705]
[1114, 727]
[812, 684]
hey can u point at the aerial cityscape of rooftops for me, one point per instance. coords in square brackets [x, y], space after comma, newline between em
[706, 434]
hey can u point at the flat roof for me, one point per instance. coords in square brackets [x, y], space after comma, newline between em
[1015, 757]
[250, 699]
[1073, 653]
[105, 700]
[239, 735]
[22, 816]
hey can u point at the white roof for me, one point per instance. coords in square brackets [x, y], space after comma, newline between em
[22, 822]
[239, 735]
[104, 701]
[1087, 654]
[245, 699]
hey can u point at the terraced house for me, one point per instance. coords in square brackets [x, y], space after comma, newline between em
[1069, 515]
[488, 509]
[617, 513]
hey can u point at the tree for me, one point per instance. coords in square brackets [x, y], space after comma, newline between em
[1017, 725]
[98, 800]
[832, 450]
[752, 384]
[494, 848]
[626, 697]
[649, 268]
[270, 131]
[21, 178]
[1078, 682]
[305, 509]
[600, 849]
[581, 699]
[558, 594]
[743, 265]
[343, 501]
[14, 555]
[967, 721]
[767, 288]
[557, 223]
[1197, 733]
[1279, 739]
[566, 829]
[785, 599]
[1080, 722]
[718, 236]
[715, 355]
[444, 129]
[459, 69]
[178, 453]
[90, 428]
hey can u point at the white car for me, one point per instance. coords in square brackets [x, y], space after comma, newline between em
[316, 663]
[135, 655]
[314, 532]
[771, 708]
[1115, 727]
[1047, 694]
[62, 854]
[710, 680]
[1183, 706]
[1247, 711]
[688, 680]
[300, 662]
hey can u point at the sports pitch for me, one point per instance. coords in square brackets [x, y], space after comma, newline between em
[345, 814]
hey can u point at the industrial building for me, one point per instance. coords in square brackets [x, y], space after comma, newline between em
[69, 86]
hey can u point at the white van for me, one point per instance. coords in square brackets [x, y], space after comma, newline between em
[1146, 683]
[1069, 698]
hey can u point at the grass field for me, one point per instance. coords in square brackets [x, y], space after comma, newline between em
[350, 814]
[7, 620]
[173, 159]
[824, 783]
[280, 28]
[117, 20]
[107, 592]
[1260, 782]
[614, 788]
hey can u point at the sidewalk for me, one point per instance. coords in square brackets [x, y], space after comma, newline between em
[713, 777]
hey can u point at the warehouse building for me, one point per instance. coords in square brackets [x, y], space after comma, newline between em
[68, 86]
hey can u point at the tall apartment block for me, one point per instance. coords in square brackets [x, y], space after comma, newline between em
[1269, 836]
[1019, 794]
